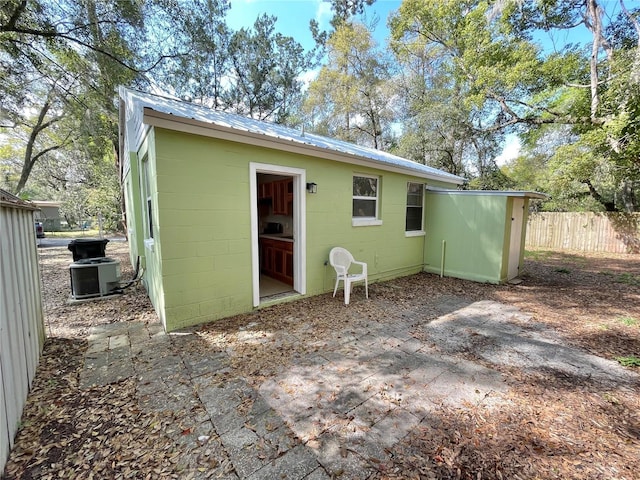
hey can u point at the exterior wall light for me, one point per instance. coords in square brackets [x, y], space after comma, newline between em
[312, 188]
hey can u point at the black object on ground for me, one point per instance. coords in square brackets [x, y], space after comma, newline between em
[87, 248]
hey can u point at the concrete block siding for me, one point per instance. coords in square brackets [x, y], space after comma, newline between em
[195, 172]
[202, 250]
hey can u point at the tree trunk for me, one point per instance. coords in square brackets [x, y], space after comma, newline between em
[608, 205]
[29, 157]
[596, 28]
[629, 196]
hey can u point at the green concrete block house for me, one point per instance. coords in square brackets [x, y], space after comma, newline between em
[228, 213]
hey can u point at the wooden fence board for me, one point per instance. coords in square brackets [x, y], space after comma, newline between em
[585, 231]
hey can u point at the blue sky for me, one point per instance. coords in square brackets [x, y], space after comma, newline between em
[294, 16]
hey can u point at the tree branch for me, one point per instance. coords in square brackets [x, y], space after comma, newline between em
[609, 206]
[556, 117]
[54, 34]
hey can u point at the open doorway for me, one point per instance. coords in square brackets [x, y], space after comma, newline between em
[276, 236]
[278, 233]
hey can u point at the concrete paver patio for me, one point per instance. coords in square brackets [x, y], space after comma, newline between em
[339, 408]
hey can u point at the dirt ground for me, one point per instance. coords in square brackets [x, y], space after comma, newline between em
[554, 426]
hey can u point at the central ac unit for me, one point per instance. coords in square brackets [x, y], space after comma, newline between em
[94, 277]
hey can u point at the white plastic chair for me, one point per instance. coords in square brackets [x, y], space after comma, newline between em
[341, 259]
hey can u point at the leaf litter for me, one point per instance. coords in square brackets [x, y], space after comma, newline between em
[550, 426]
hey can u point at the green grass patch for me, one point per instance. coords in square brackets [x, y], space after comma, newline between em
[562, 270]
[74, 234]
[628, 279]
[631, 361]
[582, 261]
[628, 321]
[538, 254]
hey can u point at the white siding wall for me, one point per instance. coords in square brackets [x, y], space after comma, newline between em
[21, 318]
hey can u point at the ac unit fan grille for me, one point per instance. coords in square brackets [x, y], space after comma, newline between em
[85, 281]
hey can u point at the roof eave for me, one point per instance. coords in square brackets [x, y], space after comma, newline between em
[501, 193]
[9, 200]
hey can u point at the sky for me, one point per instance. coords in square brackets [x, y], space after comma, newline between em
[294, 16]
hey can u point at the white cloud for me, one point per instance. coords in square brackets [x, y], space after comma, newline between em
[510, 151]
[307, 77]
[323, 13]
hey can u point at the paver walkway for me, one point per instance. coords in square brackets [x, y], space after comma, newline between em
[338, 410]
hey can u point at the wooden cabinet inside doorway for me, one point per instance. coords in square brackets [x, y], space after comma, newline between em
[276, 259]
[281, 194]
[283, 197]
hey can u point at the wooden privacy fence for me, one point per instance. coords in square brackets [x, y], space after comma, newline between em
[586, 231]
[21, 316]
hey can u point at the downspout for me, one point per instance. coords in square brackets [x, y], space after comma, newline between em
[444, 248]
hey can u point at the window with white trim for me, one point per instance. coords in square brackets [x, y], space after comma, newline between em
[147, 195]
[415, 207]
[366, 199]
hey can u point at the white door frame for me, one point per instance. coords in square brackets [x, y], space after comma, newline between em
[515, 240]
[299, 225]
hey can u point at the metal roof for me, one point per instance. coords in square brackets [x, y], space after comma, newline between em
[280, 134]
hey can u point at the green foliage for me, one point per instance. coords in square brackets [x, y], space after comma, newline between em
[201, 31]
[61, 63]
[254, 71]
[492, 178]
[631, 361]
[64, 61]
[463, 75]
[350, 99]
[459, 66]
[473, 73]
[526, 172]
[598, 167]
[345, 9]
[343, 13]
[264, 73]
[628, 278]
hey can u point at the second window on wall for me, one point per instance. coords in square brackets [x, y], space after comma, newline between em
[414, 207]
[147, 195]
[365, 199]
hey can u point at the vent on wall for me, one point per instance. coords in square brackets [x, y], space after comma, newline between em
[94, 277]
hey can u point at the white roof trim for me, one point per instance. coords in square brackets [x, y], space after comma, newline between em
[181, 116]
[494, 193]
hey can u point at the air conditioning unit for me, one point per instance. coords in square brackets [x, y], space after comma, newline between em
[94, 277]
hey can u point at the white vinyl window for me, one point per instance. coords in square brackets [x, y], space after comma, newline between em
[415, 209]
[366, 200]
